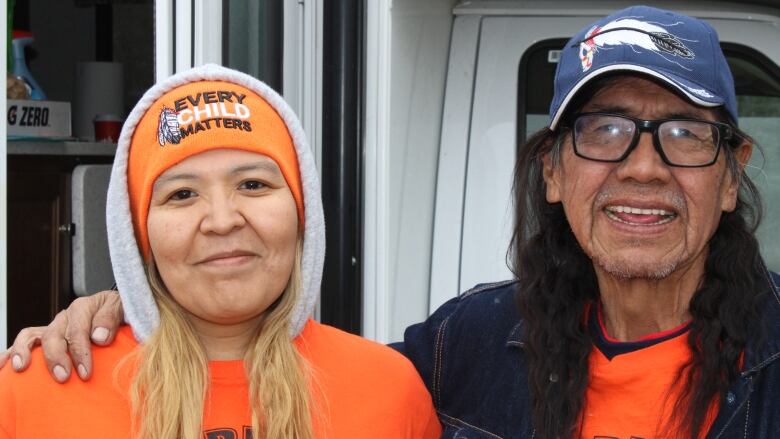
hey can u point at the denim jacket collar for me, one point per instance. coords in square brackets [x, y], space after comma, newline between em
[756, 356]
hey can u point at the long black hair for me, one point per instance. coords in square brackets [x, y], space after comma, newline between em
[557, 281]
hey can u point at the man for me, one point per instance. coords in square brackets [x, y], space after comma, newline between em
[641, 306]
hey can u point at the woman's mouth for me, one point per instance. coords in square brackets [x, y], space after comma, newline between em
[227, 258]
[637, 216]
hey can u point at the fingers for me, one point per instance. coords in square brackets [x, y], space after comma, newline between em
[78, 331]
[96, 318]
[55, 348]
[66, 341]
[107, 317]
[19, 353]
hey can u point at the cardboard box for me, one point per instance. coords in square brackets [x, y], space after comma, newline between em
[27, 119]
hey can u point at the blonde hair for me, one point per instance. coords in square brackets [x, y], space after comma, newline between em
[170, 388]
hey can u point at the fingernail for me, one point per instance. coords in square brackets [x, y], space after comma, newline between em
[82, 371]
[16, 361]
[60, 373]
[100, 335]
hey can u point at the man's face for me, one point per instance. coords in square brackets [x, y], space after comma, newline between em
[679, 208]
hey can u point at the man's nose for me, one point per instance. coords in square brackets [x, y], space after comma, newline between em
[644, 164]
[223, 216]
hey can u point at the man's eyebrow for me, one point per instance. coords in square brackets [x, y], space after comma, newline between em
[608, 108]
[617, 109]
[684, 115]
[257, 166]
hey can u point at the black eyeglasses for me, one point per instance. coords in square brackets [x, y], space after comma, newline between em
[687, 143]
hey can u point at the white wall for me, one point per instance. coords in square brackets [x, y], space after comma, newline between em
[407, 46]
[302, 70]
[163, 40]
[3, 205]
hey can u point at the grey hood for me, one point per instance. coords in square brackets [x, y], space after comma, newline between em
[128, 265]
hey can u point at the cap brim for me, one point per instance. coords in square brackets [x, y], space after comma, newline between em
[705, 98]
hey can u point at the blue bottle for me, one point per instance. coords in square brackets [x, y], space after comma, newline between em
[20, 41]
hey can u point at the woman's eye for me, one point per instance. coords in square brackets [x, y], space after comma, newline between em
[182, 194]
[252, 185]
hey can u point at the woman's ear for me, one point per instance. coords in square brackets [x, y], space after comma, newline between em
[551, 174]
[742, 155]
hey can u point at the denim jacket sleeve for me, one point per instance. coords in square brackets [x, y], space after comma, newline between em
[469, 356]
[424, 341]
[751, 406]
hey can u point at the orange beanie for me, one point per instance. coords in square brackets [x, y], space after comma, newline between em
[198, 117]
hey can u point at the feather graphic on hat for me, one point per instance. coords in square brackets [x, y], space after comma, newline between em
[635, 34]
[671, 44]
[168, 128]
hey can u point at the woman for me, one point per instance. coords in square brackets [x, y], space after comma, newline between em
[216, 237]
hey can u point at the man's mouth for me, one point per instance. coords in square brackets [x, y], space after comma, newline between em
[637, 216]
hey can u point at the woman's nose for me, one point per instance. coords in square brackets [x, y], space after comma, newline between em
[223, 216]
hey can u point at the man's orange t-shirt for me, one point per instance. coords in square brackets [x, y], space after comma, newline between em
[632, 395]
[361, 389]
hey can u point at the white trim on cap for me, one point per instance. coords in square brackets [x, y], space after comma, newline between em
[624, 67]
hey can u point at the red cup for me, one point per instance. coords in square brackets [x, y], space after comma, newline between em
[107, 128]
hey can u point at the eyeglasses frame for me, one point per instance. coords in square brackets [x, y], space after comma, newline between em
[725, 133]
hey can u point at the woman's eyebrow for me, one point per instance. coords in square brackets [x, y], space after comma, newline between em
[257, 166]
[175, 177]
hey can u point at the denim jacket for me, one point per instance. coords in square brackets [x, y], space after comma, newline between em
[470, 355]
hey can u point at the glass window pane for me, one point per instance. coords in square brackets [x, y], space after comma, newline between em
[758, 99]
[537, 71]
[253, 39]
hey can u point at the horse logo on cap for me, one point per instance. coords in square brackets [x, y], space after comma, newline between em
[634, 33]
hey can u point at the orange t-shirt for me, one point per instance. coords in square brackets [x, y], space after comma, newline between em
[361, 390]
[632, 396]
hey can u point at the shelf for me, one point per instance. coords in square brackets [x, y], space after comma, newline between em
[60, 147]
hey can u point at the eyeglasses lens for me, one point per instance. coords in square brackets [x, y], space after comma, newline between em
[603, 137]
[688, 143]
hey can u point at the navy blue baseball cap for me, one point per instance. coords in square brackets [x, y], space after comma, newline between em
[678, 50]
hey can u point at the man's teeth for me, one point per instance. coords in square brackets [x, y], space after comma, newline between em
[637, 211]
[612, 210]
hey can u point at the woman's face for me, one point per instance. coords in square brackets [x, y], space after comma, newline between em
[222, 228]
